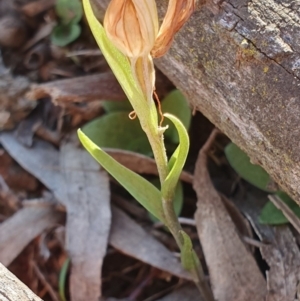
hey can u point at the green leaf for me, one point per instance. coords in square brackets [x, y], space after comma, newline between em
[177, 200]
[62, 279]
[177, 160]
[176, 104]
[62, 35]
[272, 216]
[189, 258]
[116, 106]
[143, 191]
[116, 130]
[253, 174]
[69, 11]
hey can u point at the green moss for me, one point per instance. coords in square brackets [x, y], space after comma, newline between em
[210, 65]
[249, 52]
[287, 159]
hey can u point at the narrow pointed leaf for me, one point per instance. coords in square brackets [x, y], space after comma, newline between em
[177, 160]
[142, 190]
[176, 104]
[62, 279]
[118, 62]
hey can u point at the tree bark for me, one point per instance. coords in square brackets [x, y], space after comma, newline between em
[238, 62]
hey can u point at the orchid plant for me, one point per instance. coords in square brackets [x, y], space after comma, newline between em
[129, 40]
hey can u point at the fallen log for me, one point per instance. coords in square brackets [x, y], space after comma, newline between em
[12, 289]
[238, 62]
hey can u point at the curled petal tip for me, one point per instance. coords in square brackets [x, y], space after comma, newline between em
[177, 14]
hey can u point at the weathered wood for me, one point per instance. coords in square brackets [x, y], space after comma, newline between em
[77, 89]
[12, 289]
[238, 63]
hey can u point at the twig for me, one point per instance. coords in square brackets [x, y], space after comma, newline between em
[6, 194]
[182, 221]
[42, 33]
[187, 221]
[44, 281]
[163, 292]
[207, 145]
[85, 52]
[253, 242]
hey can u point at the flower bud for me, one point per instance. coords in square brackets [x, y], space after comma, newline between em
[132, 26]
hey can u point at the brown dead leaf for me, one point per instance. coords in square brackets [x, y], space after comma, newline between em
[20, 229]
[9, 200]
[15, 176]
[42, 160]
[41, 277]
[21, 266]
[131, 239]
[13, 107]
[14, 31]
[280, 251]
[34, 8]
[43, 32]
[78, 187]
[241, 223]
[283, 258]
[44, 117]
[126, 235]
[234, 274]
[186, 293]
[87, 198]
[86, 88]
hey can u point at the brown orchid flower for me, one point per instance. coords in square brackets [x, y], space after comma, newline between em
[132, 25]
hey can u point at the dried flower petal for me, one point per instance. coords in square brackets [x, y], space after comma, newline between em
[132, 25]
[177, 14]
[144, 73]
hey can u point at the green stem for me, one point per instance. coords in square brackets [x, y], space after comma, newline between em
[144, 74]
[201, 283]
[197, 270]
[156, 139]
[159, 152]
[172, 222]
[149, 122]
[171, 219]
